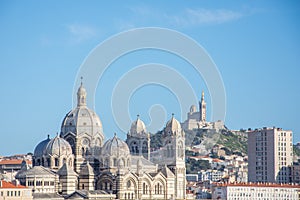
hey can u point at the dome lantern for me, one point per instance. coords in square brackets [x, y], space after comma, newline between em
[81, 95]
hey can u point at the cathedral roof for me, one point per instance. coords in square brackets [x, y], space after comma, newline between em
[40, 148]
[35, 171]
[167, 172]
[115, 147]
[66, 170]
[144, 161]
[138, 127]
[58, 146]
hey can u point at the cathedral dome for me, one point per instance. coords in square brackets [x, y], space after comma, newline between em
[40, 148]
[83, 121]
[173, 125]
[115, 147]
[80, 120]
[58, 147]
[138, 127]
[193, 109]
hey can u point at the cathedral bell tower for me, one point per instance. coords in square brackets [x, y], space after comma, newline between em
[174, 155]
[202, 108]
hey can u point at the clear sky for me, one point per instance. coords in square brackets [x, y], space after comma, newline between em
[255, 45]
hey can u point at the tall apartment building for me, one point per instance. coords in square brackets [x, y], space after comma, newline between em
[270, 155]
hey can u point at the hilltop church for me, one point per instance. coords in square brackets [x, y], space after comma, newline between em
[79, 164]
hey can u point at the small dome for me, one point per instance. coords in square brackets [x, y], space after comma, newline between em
[138, 127]
[115, 147]
[58, 147]
[193, 109]
[40, 148]
[173, 126]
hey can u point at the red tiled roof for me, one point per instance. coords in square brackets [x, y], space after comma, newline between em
[14, 162]
[5, 184]
[217, 160]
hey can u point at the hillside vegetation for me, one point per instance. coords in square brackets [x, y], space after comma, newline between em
[234, 143]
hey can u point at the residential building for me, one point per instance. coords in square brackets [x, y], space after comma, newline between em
[192, 177]
[270, 155]
[9, 165]
[10, 191]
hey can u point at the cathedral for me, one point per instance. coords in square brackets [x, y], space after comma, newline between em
[80, 164]
[197, 119]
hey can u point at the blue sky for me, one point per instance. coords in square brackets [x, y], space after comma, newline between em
[255, 45]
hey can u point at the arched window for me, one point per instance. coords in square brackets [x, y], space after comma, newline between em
[158, 189]
[82, 151]
[72, 144]
[70, 162]
[145, 147]
[115, 162]
[56, 162]
[106, 164]
[134, 147]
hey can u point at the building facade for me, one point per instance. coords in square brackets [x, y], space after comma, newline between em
[270, 155]
[247, 191]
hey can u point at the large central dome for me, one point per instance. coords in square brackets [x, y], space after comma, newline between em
[83, 121]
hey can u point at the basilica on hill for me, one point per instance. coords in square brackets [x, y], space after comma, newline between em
[80, 164]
